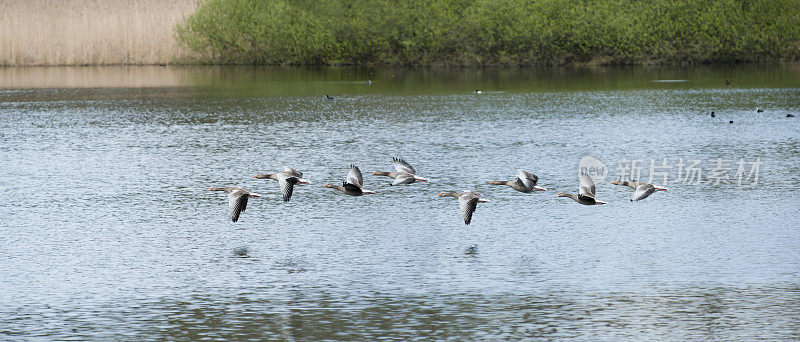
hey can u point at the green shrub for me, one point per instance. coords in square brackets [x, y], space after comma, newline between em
[493, 32]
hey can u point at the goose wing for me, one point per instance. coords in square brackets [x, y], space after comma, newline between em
[354, 176]
[642, 191]
[403, 178]
[402, 166]
[286, 183]
[468, 203]
[352, 188]
[586, 187]
[528, 179]
[292, 172]
[237, 202]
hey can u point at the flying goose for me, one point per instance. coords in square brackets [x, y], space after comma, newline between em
[286, 180]
[354, 184]
[237, 199]
[586, 190]
[467, 201]
[404, 173]
[525, 182]
[642, 189]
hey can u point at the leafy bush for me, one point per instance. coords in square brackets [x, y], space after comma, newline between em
[493, 32]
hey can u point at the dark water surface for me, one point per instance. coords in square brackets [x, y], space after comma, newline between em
[109, 231]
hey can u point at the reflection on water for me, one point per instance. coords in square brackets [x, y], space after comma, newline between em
[678, 313]
[239, 81]
[110, 233]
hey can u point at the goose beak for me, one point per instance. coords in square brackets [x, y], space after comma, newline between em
[303, 181]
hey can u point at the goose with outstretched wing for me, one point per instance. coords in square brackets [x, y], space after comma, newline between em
[526, 182]
[354, 185]
[404, 173]
[286, 180]
[641, 189]
[586, 192]
[467, 202]
[237, 199]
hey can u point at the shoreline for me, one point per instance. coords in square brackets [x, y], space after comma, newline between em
[414, 66]
[552, 78]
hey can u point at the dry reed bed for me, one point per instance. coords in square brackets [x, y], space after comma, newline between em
[91, 32]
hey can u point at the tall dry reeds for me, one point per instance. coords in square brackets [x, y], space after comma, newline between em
[91, 32]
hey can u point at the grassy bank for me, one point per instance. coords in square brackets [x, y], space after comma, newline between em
[74, 32]
[493, 32]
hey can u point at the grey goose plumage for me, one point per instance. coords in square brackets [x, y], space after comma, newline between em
[286, 180]
[354, 185]
[404, 173]
[526, 182]
[641, 189]
[586, 192]
[467, 202]
[237, 199]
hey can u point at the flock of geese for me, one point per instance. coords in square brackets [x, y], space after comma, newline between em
[404, 173]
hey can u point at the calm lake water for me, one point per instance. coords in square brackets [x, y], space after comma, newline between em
[109, 231]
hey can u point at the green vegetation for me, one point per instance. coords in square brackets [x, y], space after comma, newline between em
[493, 32]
